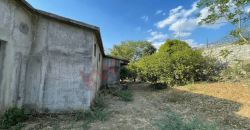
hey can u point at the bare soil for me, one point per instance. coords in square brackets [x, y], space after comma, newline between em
[204, 100]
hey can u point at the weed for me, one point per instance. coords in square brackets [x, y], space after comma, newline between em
[176, 123]
[18, 126]
[56, 127]
[12, 117]
[204, 89]
[88, 116]
[175, 96]
[227, 71]
[214, 78]
[124, 94]
[191, 87]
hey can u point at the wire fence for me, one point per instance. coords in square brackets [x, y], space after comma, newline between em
[227, 39]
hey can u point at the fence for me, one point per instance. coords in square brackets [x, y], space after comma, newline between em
[226, 39]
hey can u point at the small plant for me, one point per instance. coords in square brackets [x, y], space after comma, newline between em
[191, 87]
[124, 94]
[227, 71]
[204, 89]
[175, 96]
[88, 116]
[12, 117]
[176, 123]
[18, 126]
[214, 78]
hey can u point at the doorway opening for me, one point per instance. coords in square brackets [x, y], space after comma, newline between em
[2, 56]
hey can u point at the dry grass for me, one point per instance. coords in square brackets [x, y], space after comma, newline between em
[230, 91]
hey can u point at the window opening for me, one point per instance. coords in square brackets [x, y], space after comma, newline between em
[95, 50]
[99, 57]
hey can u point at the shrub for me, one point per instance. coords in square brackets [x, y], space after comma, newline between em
[12, 117]
[175, 63]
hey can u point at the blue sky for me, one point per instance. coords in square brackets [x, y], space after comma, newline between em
[151, 20]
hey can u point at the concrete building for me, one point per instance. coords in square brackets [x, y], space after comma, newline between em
[46, 60]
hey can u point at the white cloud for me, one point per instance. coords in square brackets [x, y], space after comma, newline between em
[187, 13]
[164, 14]
[175, 10]
[181, 34]
[145, 18]
[169, 20]
[158, 12]
[153, 33]
[247, 9]
[150, 30]
[157, 44]
[184, 24]
[191, 42]
[138, 29]
[156, 36]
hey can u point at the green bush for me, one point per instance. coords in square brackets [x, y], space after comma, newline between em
[175, 63]
[176, 123]
[12, 117]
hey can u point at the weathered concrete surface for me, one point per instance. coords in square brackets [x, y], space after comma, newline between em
[112, 72]
[41, 57]
[240, 52]
[41, 65]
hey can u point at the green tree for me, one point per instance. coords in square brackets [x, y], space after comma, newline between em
[172, 46]
[232, 10]
[132, 50]
[175, 63]
[149, 50]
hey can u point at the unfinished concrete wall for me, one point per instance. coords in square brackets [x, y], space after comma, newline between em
[97, 60]
[113, 73]
[16, 28]
[58, 51]
[42, 60]
[239, 52]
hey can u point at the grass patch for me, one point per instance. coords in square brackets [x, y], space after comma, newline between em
[88, 116]
[126, 95]
[191, 87]
[176, 123]
[98, 112]
[11, 117]
[174, 96]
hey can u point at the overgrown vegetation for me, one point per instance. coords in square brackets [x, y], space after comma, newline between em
[176, 63]
[98, 112]
[126, 95]
[176, 123]
[88, 116]
[13, 116]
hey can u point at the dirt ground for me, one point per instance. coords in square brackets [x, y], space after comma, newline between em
[149, 105]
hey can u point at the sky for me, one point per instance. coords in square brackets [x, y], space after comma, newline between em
[151, 20]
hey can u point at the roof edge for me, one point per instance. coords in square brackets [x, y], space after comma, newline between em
[108, 56]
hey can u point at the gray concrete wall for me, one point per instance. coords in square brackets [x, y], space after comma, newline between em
[241, 52]
[17, 45]
[41, 65]
[113, 74]
[97, 60]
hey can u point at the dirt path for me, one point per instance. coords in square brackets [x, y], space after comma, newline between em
[149, 105]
